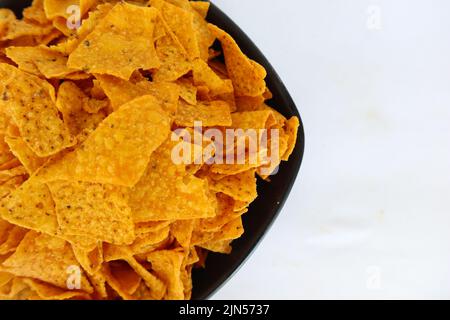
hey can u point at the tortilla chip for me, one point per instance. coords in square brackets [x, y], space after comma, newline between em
[175, 62]
[93, 106]
[225, 213]
[40, 60]
[122, 278]
[70, 44]
[49, 292]
[240, 187]
[91, 261]
[149, 241]
[121, 91]
[167, 266]
[14, 237]
[35, 13]
[182, 232]
[181, 23]
[27, 157]
[188, 92]
[98, 282]
[291, 130]
[157, 287]
[30, 102]
[17, 289]
[7, 16]
[214, 113]
[58, 8]
[23, 30]
[44, 258]
[205, 76]
[119, 44]
[118, 151]
[202, 7]
[151, 226]
[204, 37]
[5, 175]
[221, 246]
[21, 56]
[93, 210]
[279, 144]
[30, 206]
[247, 75]
[230, 231]
[165, 192]
[9, 186]
[186, 279]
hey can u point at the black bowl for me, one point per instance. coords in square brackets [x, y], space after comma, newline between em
[272, 196]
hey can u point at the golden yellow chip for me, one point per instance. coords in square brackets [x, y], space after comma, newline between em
[221, 246]
[14, 237]
[22, 56]
[46, 291]
[247, 75]
[30, 206]
[291, 130]
[6, 17]
[241, 187]
[118, 151]
[30, 102]
[21, 30]
[175, 62]
[167, 265]
[165, 192]
[230, 231]
[252, 119]
[149, 240]
[119, 44]
[202, 7]
[35, 13]
[122, 278]
[205, 76]
[46, 258]
[225, 213]
[26, 156]
[93, 106]
[214, 113]
[181, 22]
[204, 37]
[7, 174]
[280, 144]
[182, 232]
[93, 210]
[60, 8]
[121, 91]
[98, 282]
[72, 103]
[50, 63]
[156, 287]
[91, 261]
[71, 43]
[9, 186]
[151, 226]
[188, 92]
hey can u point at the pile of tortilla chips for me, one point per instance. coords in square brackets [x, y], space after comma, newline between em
[91, 204]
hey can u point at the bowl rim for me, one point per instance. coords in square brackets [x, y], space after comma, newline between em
[222, 20]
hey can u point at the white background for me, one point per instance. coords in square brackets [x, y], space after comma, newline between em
[369, 216]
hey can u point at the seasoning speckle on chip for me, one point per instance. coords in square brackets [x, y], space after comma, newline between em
[101, 197]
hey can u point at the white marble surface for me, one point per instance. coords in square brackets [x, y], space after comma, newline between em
[369, 216]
